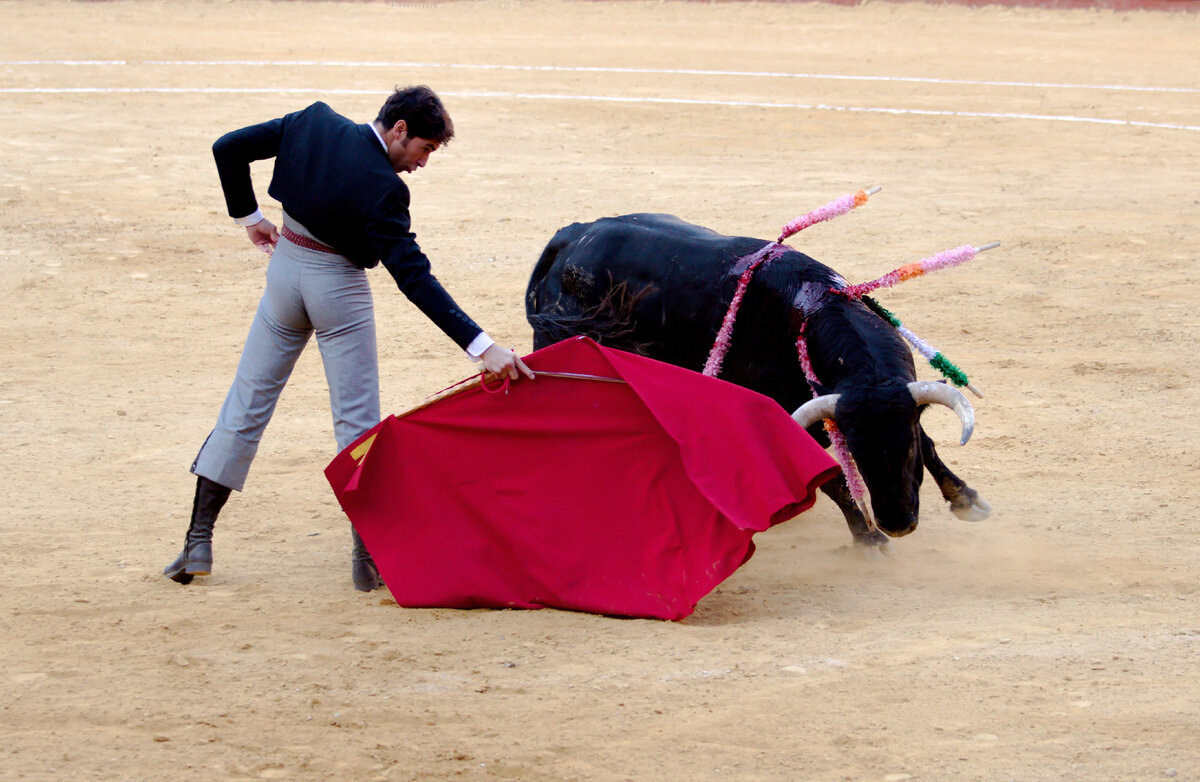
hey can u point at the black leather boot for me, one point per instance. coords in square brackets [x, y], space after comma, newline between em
[196, 558]
[362, 567]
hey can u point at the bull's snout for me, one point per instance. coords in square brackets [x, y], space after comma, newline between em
[898, 531]
[896, 525]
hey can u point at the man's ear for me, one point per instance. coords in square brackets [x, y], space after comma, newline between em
[400, 128]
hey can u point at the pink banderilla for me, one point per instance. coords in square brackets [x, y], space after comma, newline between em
[716, 354]
[835, 208]
[767, 253]
[943, 260]
[841, 451]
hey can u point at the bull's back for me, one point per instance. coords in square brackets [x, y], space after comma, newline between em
[643, 245]
[650, 283]
[656, 285]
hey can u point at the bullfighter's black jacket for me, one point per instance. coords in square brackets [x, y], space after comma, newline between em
[334, 177]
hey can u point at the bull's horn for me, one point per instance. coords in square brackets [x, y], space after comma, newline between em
[814, 410]
[927, 392]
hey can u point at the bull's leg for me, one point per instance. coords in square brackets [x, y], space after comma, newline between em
[964, 501]
[863, 535]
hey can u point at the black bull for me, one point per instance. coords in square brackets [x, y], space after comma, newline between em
[656, 285]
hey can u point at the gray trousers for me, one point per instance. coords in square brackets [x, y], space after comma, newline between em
[307, 291]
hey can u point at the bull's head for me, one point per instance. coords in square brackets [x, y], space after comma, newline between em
[881, 427]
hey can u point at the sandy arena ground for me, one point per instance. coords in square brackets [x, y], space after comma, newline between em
[1059, 640]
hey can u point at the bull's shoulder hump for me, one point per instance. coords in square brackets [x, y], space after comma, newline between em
[671, 230]
[666, 225]
[657, 221]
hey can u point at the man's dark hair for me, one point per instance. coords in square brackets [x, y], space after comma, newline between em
[422, 111]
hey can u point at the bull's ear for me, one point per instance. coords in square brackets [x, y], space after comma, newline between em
[820, 389]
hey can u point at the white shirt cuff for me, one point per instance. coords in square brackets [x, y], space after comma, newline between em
[249, 220]
[478, 345]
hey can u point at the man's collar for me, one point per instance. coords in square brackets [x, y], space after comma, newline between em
[375, 130]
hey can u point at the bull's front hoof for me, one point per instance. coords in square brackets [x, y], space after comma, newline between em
[873, 546]
[975, 509]
[876, 553]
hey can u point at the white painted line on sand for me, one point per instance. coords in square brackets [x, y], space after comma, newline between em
[602, 69]
[609, 99]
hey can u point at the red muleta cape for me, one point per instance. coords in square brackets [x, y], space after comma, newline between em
[631, 498]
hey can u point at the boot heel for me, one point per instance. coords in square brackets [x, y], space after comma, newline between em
[177, 570]
[196, 558]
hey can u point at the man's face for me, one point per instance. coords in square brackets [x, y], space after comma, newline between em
[408, 153]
